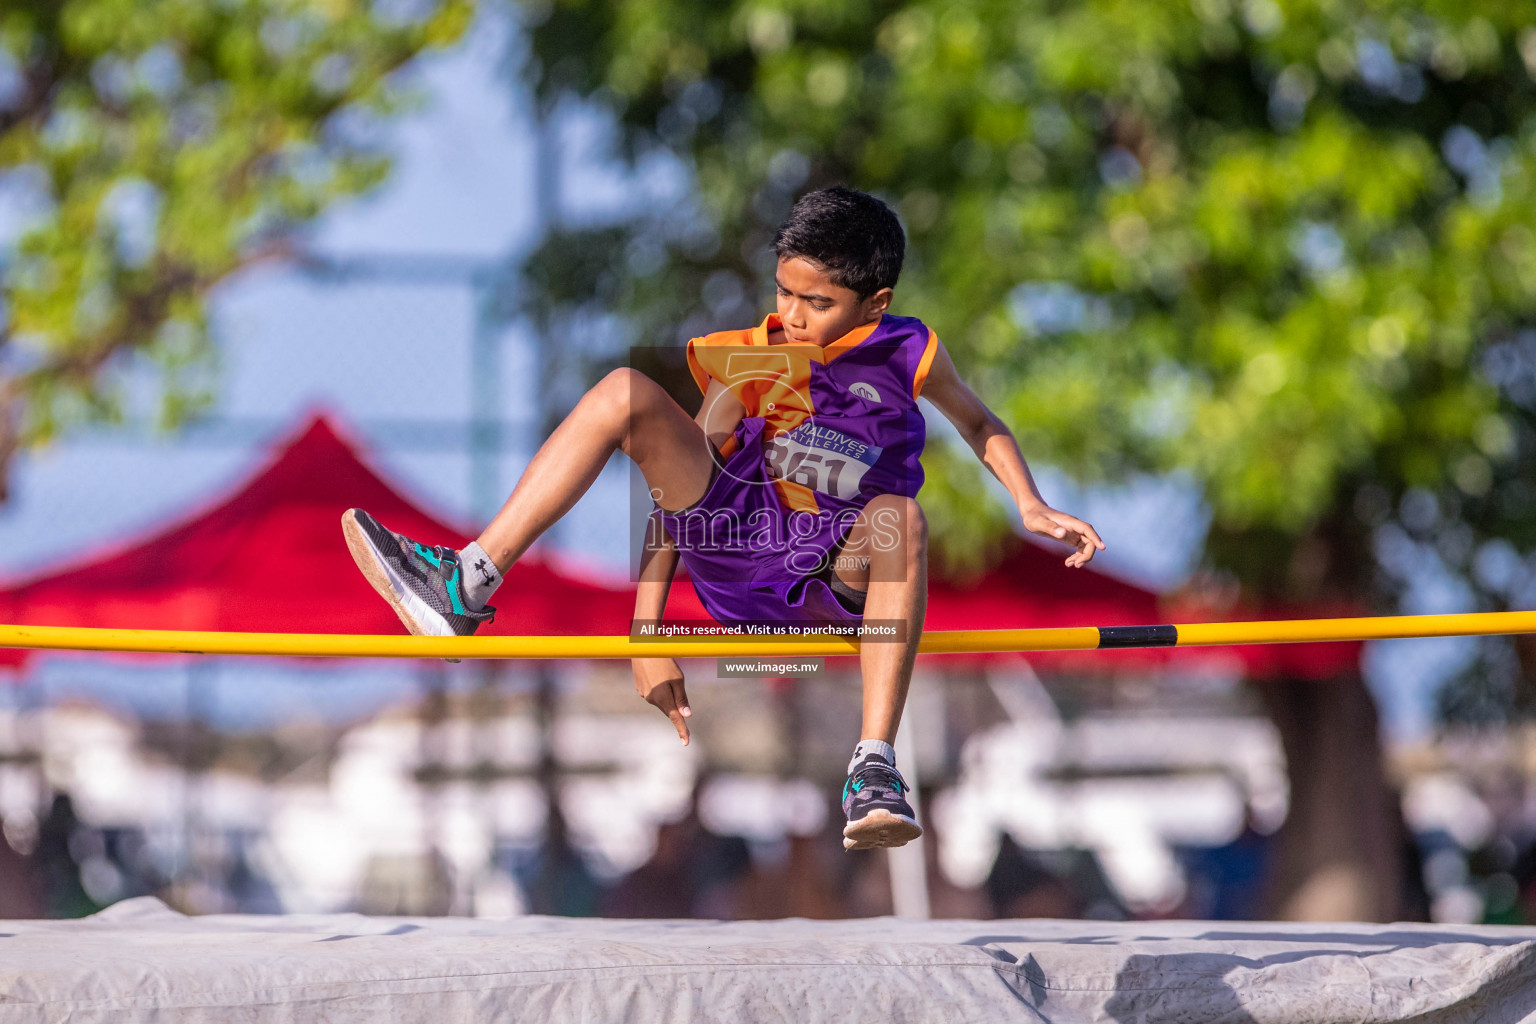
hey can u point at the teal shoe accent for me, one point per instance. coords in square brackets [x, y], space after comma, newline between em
[422, 583]
[875, 787]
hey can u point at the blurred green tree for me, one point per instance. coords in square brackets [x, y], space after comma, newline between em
[148, 149]
[1283, 247]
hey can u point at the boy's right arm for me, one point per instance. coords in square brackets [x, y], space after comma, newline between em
[721, 412]
[659, 680]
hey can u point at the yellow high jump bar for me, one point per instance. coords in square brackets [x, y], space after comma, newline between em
[1076, 638]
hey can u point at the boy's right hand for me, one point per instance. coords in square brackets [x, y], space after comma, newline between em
[660, 682]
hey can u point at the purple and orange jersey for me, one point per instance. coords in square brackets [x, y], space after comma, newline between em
[825, 431]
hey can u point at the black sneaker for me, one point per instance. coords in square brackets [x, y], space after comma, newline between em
[875, 801]
[421, 584]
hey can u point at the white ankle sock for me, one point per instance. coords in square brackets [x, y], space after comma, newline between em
[867, 747]
[481, 577]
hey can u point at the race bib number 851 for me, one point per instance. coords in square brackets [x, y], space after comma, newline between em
[822, 459]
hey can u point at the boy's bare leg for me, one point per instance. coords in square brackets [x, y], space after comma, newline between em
[887, 553]
[438, 592]
[625, 411]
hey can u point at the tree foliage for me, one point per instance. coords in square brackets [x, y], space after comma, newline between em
[1284, 246]
[149, 148]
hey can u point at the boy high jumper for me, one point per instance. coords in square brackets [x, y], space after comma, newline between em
[791, 497]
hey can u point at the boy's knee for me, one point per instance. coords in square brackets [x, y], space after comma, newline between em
[628, 391]
[623, 381]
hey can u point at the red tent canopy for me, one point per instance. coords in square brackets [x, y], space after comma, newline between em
[1030, 586]
[270, 558]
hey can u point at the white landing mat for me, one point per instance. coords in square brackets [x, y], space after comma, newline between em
[141, 962]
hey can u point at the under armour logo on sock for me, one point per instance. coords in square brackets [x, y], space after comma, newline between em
[486, 570]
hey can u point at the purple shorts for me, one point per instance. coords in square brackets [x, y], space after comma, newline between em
[752, 559]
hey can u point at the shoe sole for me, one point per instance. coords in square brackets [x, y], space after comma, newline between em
[880, 829]
[414, 613]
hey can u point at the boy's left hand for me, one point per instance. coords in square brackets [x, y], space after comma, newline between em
[1048, 522]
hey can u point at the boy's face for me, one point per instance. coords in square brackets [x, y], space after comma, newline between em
[813, 309]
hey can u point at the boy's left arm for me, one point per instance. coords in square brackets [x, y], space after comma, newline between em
[995, 446]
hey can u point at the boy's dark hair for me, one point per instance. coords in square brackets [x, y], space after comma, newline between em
[850, 234]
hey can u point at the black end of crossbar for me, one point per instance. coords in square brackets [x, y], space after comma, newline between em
[1138, 636]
